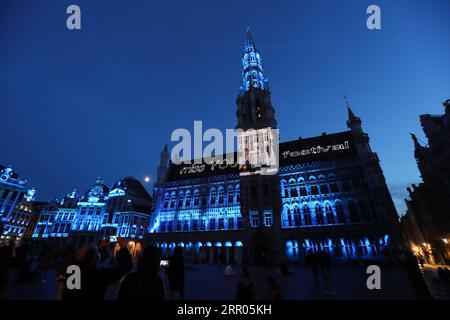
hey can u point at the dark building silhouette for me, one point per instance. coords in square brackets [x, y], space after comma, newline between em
[426, 224]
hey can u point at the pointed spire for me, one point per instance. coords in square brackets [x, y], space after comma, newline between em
[249, 41]
[252, 70]
[351, 115]
[166, 149]
[414, 138]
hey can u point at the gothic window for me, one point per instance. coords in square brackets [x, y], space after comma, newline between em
[230, 223]
[302, 186]
[212, 224]
[196, 197]
[220, 224]
[340, 213]
[319, 214]
[230, 195]
[330, 214]
[293, 188]
[203, 225]
[213, 196]
[195, 225]
[203, 198]
[187, 203]
[354, 214]
[239, 222]
[180, 199]
[313, 186]
[307, 215]
[284, 192]
[169, 229]
[238, 195]
[221, 195]
[297, 219]
[323, 185]
[173, 199]
[186, 225]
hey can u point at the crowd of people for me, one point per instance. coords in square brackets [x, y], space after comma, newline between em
[145, 277]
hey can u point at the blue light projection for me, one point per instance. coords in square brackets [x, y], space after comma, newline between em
[252, 70]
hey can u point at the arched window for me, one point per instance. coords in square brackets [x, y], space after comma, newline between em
[302, 186]
[238, 194]
[166, 200]
[204, 198]
[330, 214]
[323, 185]
[212, 196]
[297, 217]
[319, 214]
[306, 215]
[187, 203]
[173, 199]
[221, 195]
[293, 188]
[196, 197]
[284, 192]
[313, 186]
[230, 195]
[180, 199]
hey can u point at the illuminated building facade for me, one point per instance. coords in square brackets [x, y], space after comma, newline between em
[426, 223]
[122, 211]
[329, 193]
[16, 205]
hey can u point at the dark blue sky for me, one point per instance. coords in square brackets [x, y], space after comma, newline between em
[104, 100]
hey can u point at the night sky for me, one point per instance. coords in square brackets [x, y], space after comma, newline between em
[103, 101]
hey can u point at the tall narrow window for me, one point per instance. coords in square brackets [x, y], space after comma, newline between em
[254, 218]
[319, 214]
[268, 218]
[330, 214]
[307, 215]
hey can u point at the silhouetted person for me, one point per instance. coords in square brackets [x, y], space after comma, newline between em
[324, 262]
[175, 272]
[5, 265]
[274, 289]
[245, 292]
[284, 269]
[409, 263]
[94, 281]
[311, 260]
[21, 262]
[145, 283]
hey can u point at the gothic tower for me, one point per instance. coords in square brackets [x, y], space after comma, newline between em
[261, 197]
[379, 196]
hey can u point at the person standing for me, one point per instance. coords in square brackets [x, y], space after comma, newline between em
[311, 260]
[145, 283]
[175, 272]
[94, 281]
